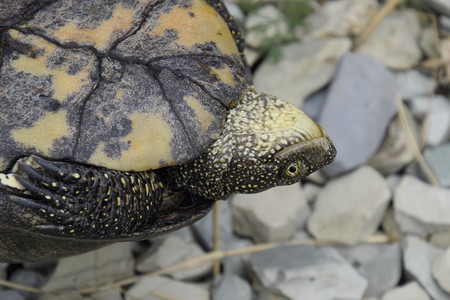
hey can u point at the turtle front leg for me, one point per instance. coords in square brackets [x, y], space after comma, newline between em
[87, 201]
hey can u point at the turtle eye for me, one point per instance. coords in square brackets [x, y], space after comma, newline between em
[293, 169]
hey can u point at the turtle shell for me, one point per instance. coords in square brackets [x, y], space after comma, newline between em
[126, 85]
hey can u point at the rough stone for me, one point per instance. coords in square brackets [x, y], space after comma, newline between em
[170, 251]
[310, 192]
[395, 41]
[351, 207]
[418, 257]
[314, 103]
[440, 6]
[338, 19]
[112, 294]
[164, 288]
[390, 226]
[410, 291]
[305, 67]
[395, 152]
[273, 215]
[438, 124]
[371, 261]
[421, 208]
[265, 24]
[93, 268]
[429, 42]
[412, 84]
[441, 270]
[444, 21]
[27, 278]
[231, 287]
[306, 272]
[11, 295]
[438, 159]
[359, 107]
[70, 295]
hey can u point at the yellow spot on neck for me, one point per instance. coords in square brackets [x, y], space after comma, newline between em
[198, 24]
[43, 133]
[101, 36]
[63, 84]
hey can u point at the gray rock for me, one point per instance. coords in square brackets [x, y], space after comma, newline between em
[395, 41]
[444, 21]
[395, 152]
[314, 103]
[440, 6]
[438, 130]
[27, 278]
[438, 159]
[93, 268]
[429, 42]
[11, 295]
[265, 24]
[305, 67]
[441, 271]
[156, 287]
[351, 207]
[306, 272]
[3, 267]
[338, 19]
[170, 251]
[410, 291]
[418, 257]
[273, 215]
[413, 84]
[310, 192]
[371, 261]
[358, 110]
[70, 295]
[231, 287]
[112, 294]
[390, 226]
[421, 208]
[441, 240]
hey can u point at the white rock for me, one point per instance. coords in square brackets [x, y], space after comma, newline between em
[413, 84]
[351, 207]
[155, 287]
[310, 191]
[112, 294]
[231, 287]
[306, 272]
[438, 107]
[170, 251]
[410, 291]
[273, 215]
[304, 68]
[441, 271]
[70, 295]
[438, 159]
[93, 268]
[421, 208]
[338, 19]
[395, 41]
[441, 6]
[429, 42]
[418, 257]
[266, 23]
[390, 226]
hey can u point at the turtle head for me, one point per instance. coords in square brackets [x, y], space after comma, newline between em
[266, 142]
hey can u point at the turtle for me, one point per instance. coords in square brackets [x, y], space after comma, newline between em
[123, 120]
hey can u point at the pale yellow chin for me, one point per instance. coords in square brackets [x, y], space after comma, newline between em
[311, 129]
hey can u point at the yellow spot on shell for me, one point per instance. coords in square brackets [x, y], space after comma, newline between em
[63, 83]
[205, 26]
[225, 75]
[201, 114]
[101, 36]
[44, 133]
[149, 143]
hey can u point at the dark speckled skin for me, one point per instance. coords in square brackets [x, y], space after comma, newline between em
[80, 79]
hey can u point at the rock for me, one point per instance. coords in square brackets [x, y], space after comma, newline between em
[3, 267]
[444, 21]
[306, 272]
[112, 294]
[371, 261]
[395, 41]
[338, 19]
[231, 287]
[390, 226]
[359, 107]
[11, 295]
[27, 278]
[310, 192]
[441, 240]
[421, 208]
[170, 251]
[441, 271]
[252, 56]
[273, 215]
[314, 103]
[267, 24]
[93, 268]
[413, 84]
[438, 126]
[351, 207]
[157, 287]
[410, 291]
[429, 42]
[440, 6]
[438, 159]
[70, 295]
[418, 257]
[305, 67]
[395, 152]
